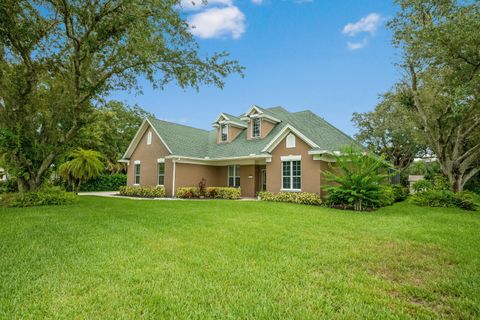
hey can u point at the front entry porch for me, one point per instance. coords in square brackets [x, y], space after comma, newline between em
[250, 176]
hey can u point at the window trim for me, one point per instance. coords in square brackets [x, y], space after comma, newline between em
[290, 141]
[158, 172]
[234, 175]
[291, 160]
[135, 174]
[221, 132]
[259, 128]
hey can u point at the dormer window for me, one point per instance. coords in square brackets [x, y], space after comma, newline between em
[256, 127]
[224, 132]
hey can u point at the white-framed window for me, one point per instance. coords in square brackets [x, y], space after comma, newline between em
[290, 142]
[234, 176]
[137, 173]
[292, 175]
[224, 132]
[256, 123]
[149, 137]
[161, 173]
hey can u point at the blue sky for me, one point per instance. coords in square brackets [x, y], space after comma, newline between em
[332, 57]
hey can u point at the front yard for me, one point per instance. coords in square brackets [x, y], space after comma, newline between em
[115, 258]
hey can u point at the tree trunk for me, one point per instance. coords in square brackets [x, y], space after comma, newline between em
[456, 184]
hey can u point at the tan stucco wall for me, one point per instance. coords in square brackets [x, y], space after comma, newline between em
[310, 168]
[233, 132]
[265, 128]
[147, 155]
[189, 175]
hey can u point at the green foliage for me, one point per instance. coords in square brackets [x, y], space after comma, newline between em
[293, 197]
[8, 186]
[389, 130]
[105, 182]
[401, 193]
[428, 169]
[58, 59]
[210, 192]
[357, 180]
[223, 193]
[113, 127]
[422, 185]
[83, 165]
[143, 191]
[187, 192]
[444, 198]
[387, 197]
[45, 196]
[439, 42]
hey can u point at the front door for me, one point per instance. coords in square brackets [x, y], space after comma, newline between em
[264, 179]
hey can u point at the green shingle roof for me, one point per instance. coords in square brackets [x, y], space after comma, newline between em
[192, 142]
[234, 118]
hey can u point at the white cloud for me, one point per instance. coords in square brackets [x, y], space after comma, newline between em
[257, 1]
[218, 22]
[368, 24]
[357, 45]
[195, 5]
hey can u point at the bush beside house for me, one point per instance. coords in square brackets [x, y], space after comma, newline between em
[142, 192]
[210, 192]
[293, 197]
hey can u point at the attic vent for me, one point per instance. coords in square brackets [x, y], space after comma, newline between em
[290, 141]
[149, 138]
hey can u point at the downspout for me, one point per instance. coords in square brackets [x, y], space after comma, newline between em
[173, 180]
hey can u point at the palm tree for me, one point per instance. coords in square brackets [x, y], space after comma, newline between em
[83, 165]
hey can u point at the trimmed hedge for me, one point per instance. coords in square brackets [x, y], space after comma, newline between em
[45, 196]
[105, 182]
[293, 197]
[188, 192]
[210, 192]
[143, 192]
[223, 193]
[444, 198]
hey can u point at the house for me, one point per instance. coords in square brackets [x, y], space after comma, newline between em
[264, 149]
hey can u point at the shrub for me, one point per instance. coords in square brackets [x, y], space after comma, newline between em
[43, 197]
[202, 187]
[445, 199]
[357, 181]
[223, 193]
[8, 186]
[387, 197]
[188, 192]
[105, 182]
[401, 193]
[142, 191]
[467, 200]
[422, 185]
[294, 197]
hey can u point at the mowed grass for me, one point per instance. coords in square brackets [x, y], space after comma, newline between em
[118, 259]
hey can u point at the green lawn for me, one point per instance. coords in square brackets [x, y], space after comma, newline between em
[115, 258]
